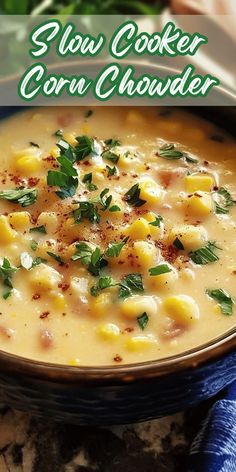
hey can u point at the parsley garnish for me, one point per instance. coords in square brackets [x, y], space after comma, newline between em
[114, 208]
[24, 196]
[84, 147]
[169, 152]
[87, 179]
[56, 257]
[131, 284]
[224, 300]
[160, 269]
[105, 201]
[58, 133]
[132, 196]
[86, 210]
[37, 261]
[111, 171]
[157, 221]
[6, 273]
[111, 156]
[93, 259]
[103, 282]
[112, 142]
[65, 178]
[114, 249]
[33, 245]
[205, 254]
[178, 244]
[38, 229]
[227, 201]
[143, 320]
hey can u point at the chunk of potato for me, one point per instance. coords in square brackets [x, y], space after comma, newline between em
[146, 252]
[49, 220]
[19, 220]
[44, 277]
[199, 204]
[134, 306]
[162, 280]
[151, 192]
[196, 182]
[182, 308]
[7, 234]
[101, 305]
[139, 229]
[155, 231]
[192, 237]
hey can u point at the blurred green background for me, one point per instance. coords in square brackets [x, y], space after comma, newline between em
[86, 7]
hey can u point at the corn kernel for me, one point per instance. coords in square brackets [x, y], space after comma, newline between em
[20, 220]
[134, 306]
[49, 220]
[182, 308]
[203, 182]
[44, 277]
[151, 192]
[7, 234]
[199, 204]
[101, 304]
[55, 152]
[192, 237]
[28, 164]
[146, 253]
[140, 343]
[70, 138]
[109, 331]
[128, 160]
[74, 362]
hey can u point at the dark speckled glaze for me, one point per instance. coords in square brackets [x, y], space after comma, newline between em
[121, 394]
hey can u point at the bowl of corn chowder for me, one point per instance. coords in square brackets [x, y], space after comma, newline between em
[117, 235]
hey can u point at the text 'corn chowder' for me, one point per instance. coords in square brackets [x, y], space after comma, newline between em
[117, 234]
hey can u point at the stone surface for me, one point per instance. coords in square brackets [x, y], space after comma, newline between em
[29, 444]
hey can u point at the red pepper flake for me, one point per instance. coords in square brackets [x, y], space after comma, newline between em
[49, 159]
[128, 330]
[234, 272]
[33, 181]
[44, 315]
[63, 286]
[215, 188]
[206, 163]
[36, 296]
[117, 358]
[87, 163]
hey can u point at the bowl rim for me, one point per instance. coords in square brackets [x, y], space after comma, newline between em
[199, 356]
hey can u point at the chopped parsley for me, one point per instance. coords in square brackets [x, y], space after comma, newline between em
[205, 255]
[38, 229]
[157, 221]
[226, 201]
[37, 261]
[112, 142]
[56, 257]
[111, 156]
[84, 147]
[178, 244]
[143, 320]
[111, 171]
[66, 178]
[170, 152]
[103, 282]
[87, 179]
[93, 259]
[132, 196]
[224, 300]
[86, 210]
[114, 208]
[33, 245]
[131, 284]
[160, 269]
[114, 249]
[103, 200]
[24, 196]
[6, 273]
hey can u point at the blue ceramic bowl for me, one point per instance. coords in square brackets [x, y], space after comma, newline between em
[124, 394]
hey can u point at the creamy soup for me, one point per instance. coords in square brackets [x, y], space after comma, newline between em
[117, 234]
